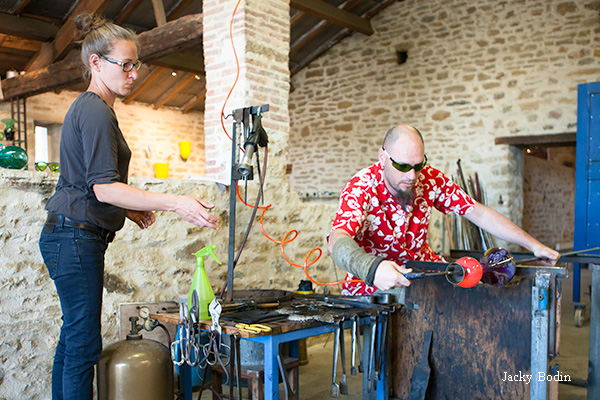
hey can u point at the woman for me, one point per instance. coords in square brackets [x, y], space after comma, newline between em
[92, 200]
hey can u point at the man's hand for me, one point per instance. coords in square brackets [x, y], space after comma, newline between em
[390, 275]
[143, 219]
[546, 255]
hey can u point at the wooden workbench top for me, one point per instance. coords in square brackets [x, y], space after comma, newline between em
[298, 318]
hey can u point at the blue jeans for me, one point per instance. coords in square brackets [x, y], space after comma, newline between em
[75, 260]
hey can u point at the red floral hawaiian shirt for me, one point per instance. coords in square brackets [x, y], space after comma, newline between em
[382, 227]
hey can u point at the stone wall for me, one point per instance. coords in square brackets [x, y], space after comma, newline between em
[155, 264]
[152, 135]
[475, 71]
[548, 201]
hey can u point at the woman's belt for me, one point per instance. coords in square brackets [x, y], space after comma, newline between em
[60, 220]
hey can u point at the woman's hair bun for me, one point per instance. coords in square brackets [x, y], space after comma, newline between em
[85, 23]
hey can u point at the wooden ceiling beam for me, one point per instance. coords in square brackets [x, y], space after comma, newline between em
[22, 6]
[15, 42]
[63, 40]
[27, 28]
[547, 140]
[296, 17]
[334, 15]
[187, 61]
[127, 11]
[194, 100]
[159, 12]
[318, 51]
[173, 37]
[177, 11]
[318, 28]
[173, 91]
[152, 76]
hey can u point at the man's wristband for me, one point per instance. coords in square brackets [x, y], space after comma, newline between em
[349, 256]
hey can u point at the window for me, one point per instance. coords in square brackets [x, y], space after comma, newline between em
[47, 141]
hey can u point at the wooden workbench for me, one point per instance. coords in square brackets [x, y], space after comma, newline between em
[480, 335]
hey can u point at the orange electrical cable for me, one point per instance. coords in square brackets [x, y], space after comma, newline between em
[237, 70]
[285, 240]
[265, 208]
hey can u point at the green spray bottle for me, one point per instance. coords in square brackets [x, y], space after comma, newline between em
[200, 283]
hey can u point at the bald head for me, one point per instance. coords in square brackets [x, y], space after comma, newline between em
[400, 132]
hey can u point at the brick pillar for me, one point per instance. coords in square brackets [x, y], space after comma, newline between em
[261, 38]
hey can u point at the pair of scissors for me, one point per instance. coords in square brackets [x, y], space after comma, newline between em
[253, 328]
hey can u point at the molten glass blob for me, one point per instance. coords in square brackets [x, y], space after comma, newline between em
[13, 157]
[498, 266]
[465, 272]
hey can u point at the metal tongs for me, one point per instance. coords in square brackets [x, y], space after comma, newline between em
[214, 350]
[187, 339]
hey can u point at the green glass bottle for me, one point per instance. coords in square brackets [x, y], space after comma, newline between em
[9, 132]
[200, 283]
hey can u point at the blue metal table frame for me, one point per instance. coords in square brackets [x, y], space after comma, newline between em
[271, 351]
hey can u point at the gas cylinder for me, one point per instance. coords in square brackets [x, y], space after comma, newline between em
[135, 369]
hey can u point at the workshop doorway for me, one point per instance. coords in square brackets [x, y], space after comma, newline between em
[548, 187]
[549, 197]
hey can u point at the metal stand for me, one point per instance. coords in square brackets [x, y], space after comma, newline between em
[253, 135]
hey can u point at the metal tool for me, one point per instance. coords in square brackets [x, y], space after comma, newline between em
[382, 345]
[343, 382]
[238, 364]
[423, 274]
[345, 302]
[360, 354]
[528, 260]
[186, 349]
[374, 355]
[214, 351]
[315, 304]
[353, 351]
[371, 361]
[420, 378]
[335, 388]
[284, 378]
[232, 355]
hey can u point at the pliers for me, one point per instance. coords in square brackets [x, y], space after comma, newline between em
[253, 328]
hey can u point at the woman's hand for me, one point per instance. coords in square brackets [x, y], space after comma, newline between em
[143, 219]
[193, 210]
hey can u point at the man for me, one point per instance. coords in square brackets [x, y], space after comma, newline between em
[384, 216]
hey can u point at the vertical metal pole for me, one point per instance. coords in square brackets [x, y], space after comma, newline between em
[593, 389]
[232, 199]
[576, 282]
[540, 301]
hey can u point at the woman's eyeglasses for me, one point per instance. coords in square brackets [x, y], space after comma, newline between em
[42, 165]
[403, 167]
[125, 65]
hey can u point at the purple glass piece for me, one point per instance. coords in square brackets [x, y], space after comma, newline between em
[495, 271]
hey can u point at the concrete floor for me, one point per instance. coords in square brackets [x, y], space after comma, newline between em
[315, 377]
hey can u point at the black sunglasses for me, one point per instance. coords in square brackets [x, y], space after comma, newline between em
[403, 167]
[42, 165]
